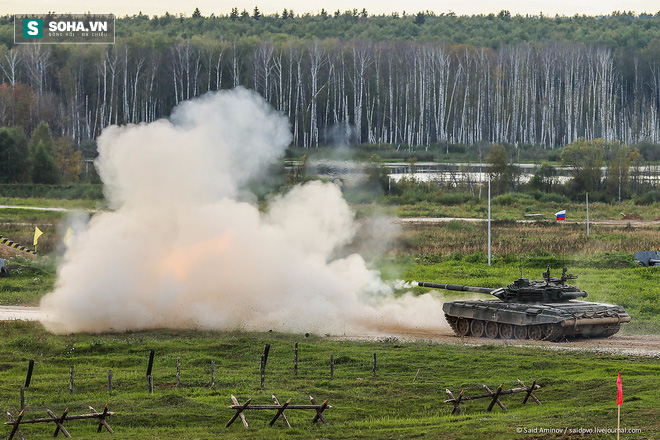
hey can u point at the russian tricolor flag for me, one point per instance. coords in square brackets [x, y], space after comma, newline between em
[561, 215]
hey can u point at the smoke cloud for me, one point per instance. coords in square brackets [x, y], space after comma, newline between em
[184, 244]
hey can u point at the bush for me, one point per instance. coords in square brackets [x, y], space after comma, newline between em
[454, 198]
[512, 198]
[80, 191]
[554, 198]
[477, 257]
[648, 197]
[544, 259]
[458, 225]
[410, 192]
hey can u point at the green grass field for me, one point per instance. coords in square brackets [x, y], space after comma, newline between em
[509, 207]
[578, 388]
[28, 282]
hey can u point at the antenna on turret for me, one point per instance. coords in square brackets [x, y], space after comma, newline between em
[522, 243]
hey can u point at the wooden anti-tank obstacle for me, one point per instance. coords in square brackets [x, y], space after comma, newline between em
[279, 408]
[59, 421]
[494, 396]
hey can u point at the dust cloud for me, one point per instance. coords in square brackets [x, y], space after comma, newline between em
[184, 244]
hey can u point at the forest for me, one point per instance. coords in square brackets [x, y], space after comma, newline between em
[411, 81]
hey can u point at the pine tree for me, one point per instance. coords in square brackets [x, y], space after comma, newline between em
[14, 156]
[44, 168]
[420, 18]
[42, 135]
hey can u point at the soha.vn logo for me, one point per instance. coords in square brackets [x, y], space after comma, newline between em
[33, 28]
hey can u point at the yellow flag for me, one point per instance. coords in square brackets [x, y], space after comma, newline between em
[37, 234]
[68, 236]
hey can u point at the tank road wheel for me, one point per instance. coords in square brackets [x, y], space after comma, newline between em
[462, 326]
[519, 332]
[491, 330]
[553, 332]
[477, 328]
[505, 330]
[535, 332]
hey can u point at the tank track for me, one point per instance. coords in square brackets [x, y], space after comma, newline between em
[545, 332]
[451, 320]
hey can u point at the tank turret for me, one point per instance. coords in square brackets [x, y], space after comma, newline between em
[537, 309]
[551, 289]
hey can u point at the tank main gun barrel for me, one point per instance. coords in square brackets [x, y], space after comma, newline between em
[457, 288]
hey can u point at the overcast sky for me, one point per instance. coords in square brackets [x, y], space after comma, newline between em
[207, 7]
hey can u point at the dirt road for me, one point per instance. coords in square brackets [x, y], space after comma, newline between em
[608, 222]
[627, 345]
[19, 313]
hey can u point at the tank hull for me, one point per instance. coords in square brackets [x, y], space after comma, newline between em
[544, 321]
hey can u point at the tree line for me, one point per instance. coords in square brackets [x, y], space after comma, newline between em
[335, 91]
[618, 30]
[569, 78]
[608, 170]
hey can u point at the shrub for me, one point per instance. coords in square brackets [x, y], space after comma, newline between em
[80, 191]
[648, 197]
[453, 198]
[512, 198]
[554, 198]
[477, 257]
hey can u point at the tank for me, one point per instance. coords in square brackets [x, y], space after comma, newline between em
[542, 310]
[647, 258]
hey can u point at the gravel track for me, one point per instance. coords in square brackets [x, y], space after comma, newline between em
[619, 344]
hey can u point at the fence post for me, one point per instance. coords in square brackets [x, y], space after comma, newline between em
[151, 362]
[374, 368]
[262, 371]
[28, 378]
[266, 351]
[212, 373]
[110, 381]
[178, 372]
[295, 360]
[71, 379]
[264, 359]
[151, 384]
[332, 367]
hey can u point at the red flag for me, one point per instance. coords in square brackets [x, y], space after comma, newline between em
[619, 396]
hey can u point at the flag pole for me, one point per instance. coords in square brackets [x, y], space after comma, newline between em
[619, 401]
[489, 219]
[587, 214]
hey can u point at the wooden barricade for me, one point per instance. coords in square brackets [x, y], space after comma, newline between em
[59, 421]
[494, 396]
[279, 408]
